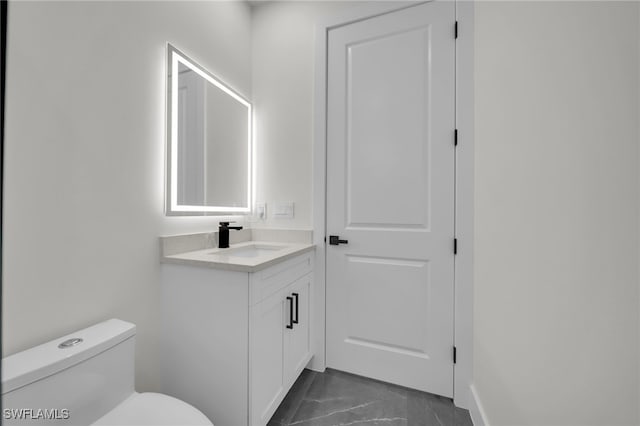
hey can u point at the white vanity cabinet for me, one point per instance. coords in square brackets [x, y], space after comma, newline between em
[235, 342]
[282, 317]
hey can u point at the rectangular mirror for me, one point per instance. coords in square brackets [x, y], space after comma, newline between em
[209, 152]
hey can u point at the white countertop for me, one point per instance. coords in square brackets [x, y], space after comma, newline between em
[226, 259]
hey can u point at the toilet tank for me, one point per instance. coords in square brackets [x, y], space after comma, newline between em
[72, 385]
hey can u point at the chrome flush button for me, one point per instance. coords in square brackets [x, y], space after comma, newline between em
[70, 343]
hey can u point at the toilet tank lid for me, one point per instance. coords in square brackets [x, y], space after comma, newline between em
[41, 361]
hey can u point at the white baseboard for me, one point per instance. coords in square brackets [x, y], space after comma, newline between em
[315, 365]
[476, 410]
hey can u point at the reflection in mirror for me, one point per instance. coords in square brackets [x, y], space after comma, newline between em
[209, 142]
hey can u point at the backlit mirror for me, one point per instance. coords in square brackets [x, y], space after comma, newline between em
[209, 152]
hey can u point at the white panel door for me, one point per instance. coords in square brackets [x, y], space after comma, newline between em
[390, 193]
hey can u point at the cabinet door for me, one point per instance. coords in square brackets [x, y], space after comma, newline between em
[267, 388]
[297, 342]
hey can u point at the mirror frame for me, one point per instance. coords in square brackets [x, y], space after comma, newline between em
[172, 208]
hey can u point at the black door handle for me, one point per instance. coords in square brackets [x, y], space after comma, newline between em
[290, 325]
[295, 321]
[334, 240]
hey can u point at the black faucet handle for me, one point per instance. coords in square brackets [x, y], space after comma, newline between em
[226, 225]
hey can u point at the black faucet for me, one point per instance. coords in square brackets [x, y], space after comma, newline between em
[223, 234]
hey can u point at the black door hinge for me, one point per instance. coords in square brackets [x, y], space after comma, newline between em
[325, 239]
[456, 29]
[454, 355]
[455, 137]
[455, 246]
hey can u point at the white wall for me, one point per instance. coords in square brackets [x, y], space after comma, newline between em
[282, 60]
[84, 159]
[556, 276]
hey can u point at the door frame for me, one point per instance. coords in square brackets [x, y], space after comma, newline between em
[464, 186]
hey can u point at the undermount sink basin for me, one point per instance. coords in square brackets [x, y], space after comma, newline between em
[253, 250]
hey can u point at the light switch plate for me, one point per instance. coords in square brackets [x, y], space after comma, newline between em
[261, 211]
[283, 210]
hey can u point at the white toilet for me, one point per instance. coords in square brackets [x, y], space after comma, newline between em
[86, 378]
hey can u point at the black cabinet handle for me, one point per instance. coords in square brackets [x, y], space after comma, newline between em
[295, 321]
[290, 325]
[334, 240]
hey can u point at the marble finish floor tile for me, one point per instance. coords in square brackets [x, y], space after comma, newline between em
[334, 398]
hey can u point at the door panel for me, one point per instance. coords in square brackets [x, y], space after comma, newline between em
[390, 193]
[267, 352]
[373, 122]
[370, 294]
[298, 346]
